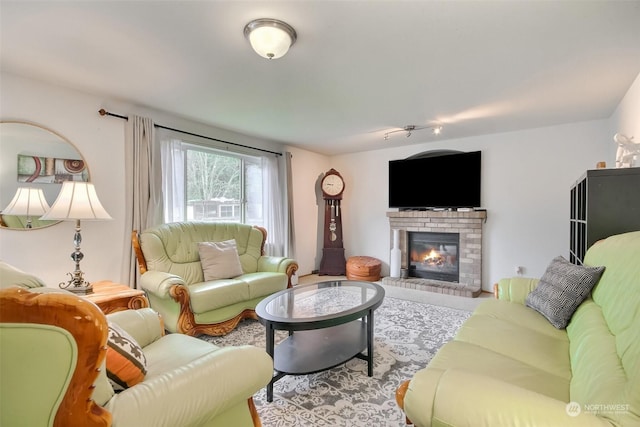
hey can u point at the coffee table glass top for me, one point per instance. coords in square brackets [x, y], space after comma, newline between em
[321, 300]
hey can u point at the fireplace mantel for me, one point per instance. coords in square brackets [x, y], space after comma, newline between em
[468, 224]
[430, 213]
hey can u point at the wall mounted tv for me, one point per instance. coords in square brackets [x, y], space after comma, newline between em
[436, 180]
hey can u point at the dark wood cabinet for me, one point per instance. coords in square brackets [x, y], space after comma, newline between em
[604, 202]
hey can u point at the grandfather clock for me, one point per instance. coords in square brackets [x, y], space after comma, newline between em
[333, 262]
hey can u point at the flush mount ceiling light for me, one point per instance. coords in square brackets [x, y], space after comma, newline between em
[437, 130]
[270, 38]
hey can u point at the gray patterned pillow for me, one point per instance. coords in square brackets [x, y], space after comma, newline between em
[562, 288]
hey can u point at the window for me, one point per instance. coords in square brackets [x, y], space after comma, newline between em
[222, 186]
[200, 182]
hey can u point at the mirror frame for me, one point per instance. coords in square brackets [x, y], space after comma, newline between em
[12, 188]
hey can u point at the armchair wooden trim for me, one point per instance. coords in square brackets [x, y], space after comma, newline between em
[187, 323]
[264, 237]
[135, 242]
[255, 417]
[400, 393]
[86, 323]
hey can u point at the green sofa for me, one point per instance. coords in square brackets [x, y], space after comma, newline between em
[172, 275]
[53, 370]
[508, 366]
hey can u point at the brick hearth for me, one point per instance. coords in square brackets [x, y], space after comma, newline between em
[467, 224]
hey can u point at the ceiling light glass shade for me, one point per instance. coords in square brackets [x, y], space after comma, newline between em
[27, 201]
[270, 38]
[77, 200]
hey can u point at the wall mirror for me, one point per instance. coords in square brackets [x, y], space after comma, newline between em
[32, 156]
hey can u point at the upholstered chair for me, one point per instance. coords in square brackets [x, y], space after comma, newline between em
[204, 278]
[60, 367]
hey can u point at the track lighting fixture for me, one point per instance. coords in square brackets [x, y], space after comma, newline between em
[409, 129]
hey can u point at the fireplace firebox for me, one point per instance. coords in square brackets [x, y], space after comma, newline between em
[433, 255]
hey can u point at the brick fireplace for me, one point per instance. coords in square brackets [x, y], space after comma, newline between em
[455, 237]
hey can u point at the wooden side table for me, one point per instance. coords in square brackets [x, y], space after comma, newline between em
[110, 297]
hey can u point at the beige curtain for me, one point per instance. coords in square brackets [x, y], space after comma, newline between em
[278, 205]
[290, 249]
[142, 204]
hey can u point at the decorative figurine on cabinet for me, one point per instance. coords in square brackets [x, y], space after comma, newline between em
[628, 153]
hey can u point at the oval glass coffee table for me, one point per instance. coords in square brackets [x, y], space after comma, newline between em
[329, 323]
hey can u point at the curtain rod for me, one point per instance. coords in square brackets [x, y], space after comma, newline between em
[104, 112]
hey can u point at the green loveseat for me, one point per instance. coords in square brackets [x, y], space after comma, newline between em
[172, 275]
[53, 372]
[508, 366]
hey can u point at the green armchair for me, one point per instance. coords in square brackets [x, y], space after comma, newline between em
[53, 369]
[173, 278]
[11, 276]
[51, 354]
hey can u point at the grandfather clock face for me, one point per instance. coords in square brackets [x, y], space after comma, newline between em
[332, 185]
[333, 261]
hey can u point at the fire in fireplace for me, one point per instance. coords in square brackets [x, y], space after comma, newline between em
[433, 255]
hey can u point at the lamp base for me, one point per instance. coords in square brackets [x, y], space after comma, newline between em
[77, 284]
[81, 290]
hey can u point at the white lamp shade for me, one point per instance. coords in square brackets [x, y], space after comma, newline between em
[77, 200]
[270, 38]
[27, 201]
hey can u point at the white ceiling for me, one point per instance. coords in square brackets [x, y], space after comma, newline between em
[358, 69]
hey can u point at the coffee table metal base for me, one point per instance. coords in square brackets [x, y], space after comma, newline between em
[310, 351]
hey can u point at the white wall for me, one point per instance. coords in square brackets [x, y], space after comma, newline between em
[45, 252]
[307, 168]
[526, 178]
[100, 140]
[526, 181]
[626, 118]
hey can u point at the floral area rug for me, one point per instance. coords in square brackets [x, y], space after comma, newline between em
[407, 335]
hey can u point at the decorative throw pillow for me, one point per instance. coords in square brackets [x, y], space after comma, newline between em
[126, 363]
[562, 288]
[220, 260]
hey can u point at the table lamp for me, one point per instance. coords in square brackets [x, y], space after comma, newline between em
[27, 201]
[77, 201]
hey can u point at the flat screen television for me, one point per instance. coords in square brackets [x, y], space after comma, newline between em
[433, 180]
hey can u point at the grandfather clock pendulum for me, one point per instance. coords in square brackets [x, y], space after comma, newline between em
[333, 261]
